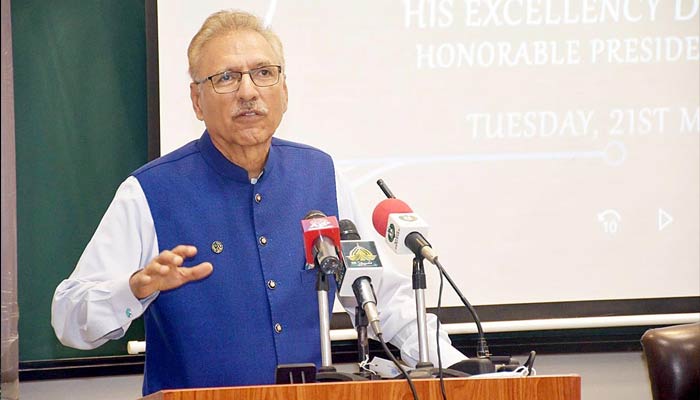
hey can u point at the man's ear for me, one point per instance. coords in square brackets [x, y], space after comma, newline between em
[196, 97]
[285, 96]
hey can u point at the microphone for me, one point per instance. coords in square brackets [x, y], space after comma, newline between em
[364, 293]
[403, 229]
[361, 267]
[348, 230]
[321, 236]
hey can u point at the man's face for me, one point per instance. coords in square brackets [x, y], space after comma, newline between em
[250, 115]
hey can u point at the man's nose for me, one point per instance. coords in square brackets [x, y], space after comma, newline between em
[247, 89]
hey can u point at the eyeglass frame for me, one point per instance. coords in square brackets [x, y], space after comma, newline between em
[209, 78]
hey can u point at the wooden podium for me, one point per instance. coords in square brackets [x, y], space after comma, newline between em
[555, 387]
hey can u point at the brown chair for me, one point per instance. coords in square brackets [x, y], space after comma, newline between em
[673, 360]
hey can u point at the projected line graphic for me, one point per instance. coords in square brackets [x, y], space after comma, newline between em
[613, 154]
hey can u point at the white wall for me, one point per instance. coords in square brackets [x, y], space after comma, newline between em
[605, 376]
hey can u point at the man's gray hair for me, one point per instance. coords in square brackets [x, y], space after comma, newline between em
[223, 22]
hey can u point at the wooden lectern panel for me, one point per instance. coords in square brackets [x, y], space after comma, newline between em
[564, 387]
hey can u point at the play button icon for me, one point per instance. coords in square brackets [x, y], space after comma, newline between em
[665, 219]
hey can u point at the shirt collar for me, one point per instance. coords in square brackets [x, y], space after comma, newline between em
[224, 167]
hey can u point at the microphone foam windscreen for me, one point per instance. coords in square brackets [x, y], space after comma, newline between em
[380, 216]
[314, 214]
[348, 230]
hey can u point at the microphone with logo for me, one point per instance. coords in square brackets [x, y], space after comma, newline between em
[321, 244]
[361, 268]
[404, 232]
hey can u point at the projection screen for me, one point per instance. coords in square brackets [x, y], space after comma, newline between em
[553, 146]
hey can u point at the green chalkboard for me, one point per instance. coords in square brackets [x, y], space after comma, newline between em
[81, 128]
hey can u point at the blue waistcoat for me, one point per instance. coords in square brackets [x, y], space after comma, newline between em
[223, 330]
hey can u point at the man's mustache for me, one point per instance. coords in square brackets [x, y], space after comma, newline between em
[251, 106]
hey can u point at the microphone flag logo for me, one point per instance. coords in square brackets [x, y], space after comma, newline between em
[318, 223]
[391, 233]
[360, 254]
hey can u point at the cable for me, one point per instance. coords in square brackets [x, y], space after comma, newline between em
[380, 336]
[530, 362]
[437, 339]
[482, 349]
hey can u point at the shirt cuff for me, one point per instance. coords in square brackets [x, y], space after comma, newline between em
[125, 305]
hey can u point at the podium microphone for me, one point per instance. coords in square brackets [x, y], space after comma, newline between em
[404, 232]
[403, 229]
[321, 233]
[361, 268]
[321, 240]
[321, 243]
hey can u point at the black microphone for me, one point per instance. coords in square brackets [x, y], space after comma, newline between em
[364, 293]
[362, 266]
[348, 231]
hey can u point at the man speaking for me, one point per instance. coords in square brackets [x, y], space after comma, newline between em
[205, 242]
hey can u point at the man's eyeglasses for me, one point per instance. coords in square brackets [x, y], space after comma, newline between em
[230, 81]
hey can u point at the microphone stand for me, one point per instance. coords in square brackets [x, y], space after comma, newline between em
[327, 372]
[324, 322]
[419, 286]
[361, 324]
[425, 368]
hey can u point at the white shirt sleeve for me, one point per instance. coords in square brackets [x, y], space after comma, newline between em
[95, 304]
[395, 297]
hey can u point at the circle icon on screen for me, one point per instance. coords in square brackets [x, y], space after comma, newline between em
[610, 221]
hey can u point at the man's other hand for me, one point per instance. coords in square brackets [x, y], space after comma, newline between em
[166, 272]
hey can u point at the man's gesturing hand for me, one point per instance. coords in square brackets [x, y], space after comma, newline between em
[165, 272]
